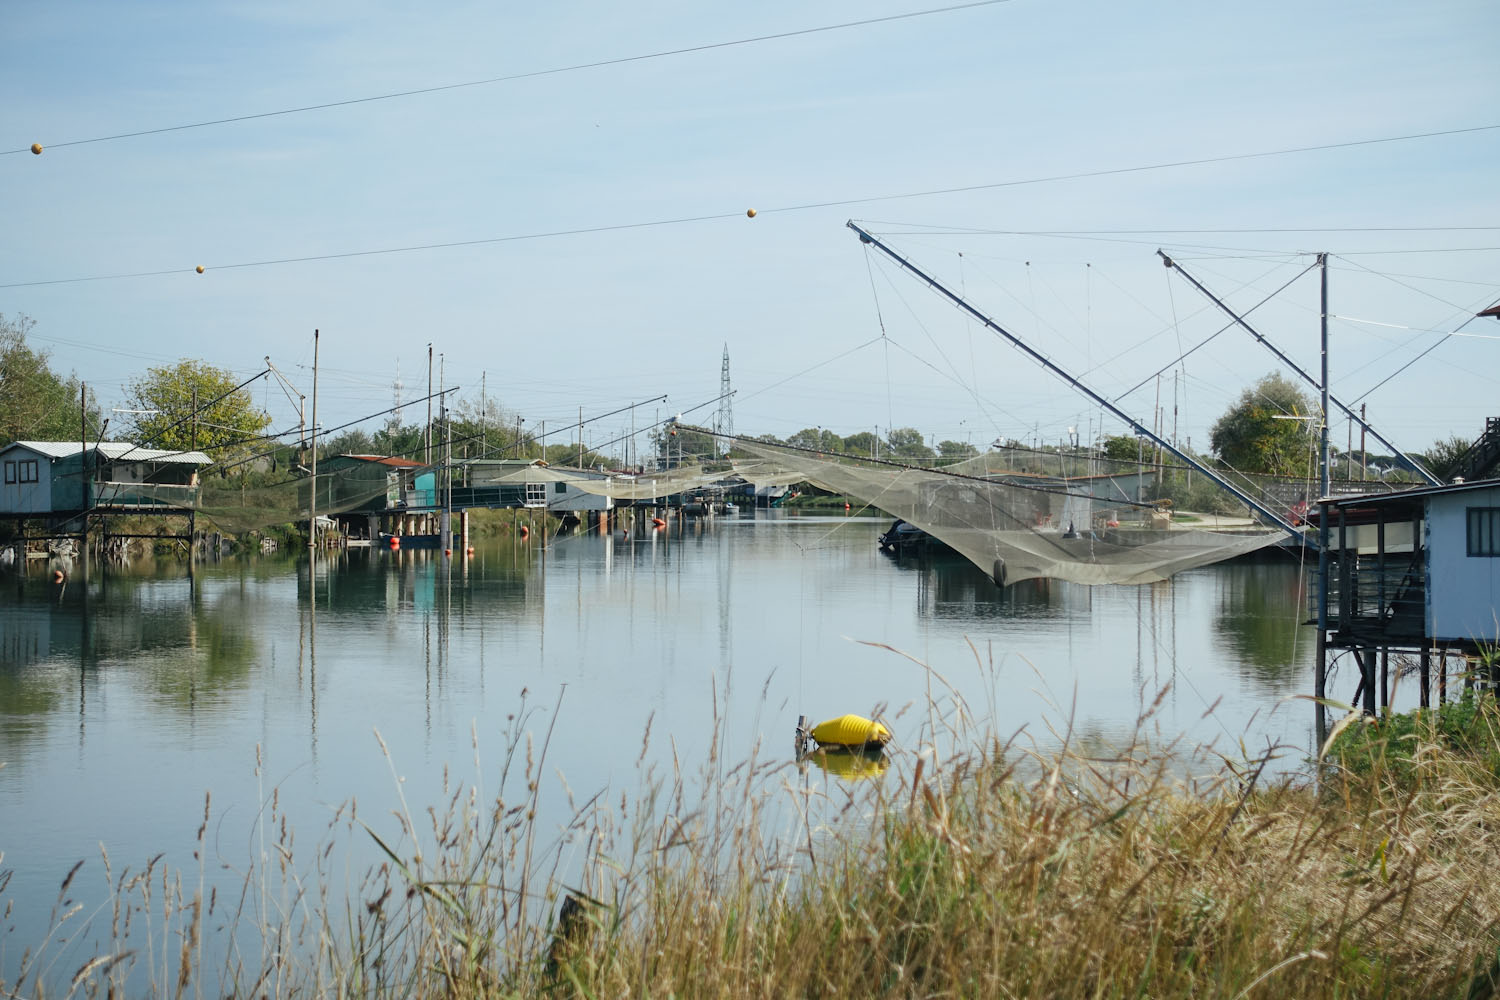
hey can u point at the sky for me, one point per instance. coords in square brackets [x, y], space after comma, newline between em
[1031, 155]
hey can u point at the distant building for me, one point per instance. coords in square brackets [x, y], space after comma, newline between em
[63, 478]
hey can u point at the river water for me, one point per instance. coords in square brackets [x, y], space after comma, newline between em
[129, 696]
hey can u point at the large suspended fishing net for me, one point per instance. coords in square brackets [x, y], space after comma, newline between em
[235, 505]
[645, 486]
[1015, 532]
[1013, 524]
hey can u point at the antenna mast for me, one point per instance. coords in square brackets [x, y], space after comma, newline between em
[724, 419]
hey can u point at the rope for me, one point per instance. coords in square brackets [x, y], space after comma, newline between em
[880, 318]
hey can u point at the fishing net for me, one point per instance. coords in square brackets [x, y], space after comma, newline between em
[235, 505]
[647, 486]
[1015, 531]
[1014, 519]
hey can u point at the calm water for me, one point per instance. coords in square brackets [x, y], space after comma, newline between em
[126, 697]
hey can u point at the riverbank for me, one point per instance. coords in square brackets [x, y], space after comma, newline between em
[1001, 873]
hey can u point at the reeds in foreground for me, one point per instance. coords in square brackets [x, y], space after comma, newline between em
[999, 873]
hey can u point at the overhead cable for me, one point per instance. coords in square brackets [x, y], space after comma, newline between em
[789, 208]
[510, 78]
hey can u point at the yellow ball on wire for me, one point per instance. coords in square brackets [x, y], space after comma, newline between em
[200, 268]
[750, 213]
[36, 148]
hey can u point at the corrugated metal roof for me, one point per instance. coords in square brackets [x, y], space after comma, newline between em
[114, 450]
[399, 463]
[1421, 492]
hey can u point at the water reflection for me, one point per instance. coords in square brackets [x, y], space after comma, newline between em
[850, 765]
[950, 587]
[1262, 611]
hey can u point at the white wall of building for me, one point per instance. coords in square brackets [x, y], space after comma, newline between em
[572, 498]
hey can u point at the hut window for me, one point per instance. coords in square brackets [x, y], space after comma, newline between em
[10, 472]
[1484, 531]
[562, 487]
[28, 470]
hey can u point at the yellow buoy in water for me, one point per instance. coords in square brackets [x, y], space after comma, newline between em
[854, 731]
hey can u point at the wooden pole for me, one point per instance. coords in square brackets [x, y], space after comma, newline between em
[85, 480]
[1426, 661]
[427, 446]
[1321, 682]
[312, 492]
[193, 514]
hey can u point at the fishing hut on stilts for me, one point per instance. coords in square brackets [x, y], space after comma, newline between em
[1413, 586]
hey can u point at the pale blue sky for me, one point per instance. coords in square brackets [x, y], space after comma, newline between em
[1014, 91]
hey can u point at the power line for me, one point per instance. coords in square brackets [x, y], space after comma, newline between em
[510, 78]
[1137, 169]
[618, 227]
[976, 231]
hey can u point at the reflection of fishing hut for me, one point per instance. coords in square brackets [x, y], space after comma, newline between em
[1416, 574]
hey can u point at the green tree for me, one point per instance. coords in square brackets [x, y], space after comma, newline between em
[350, 442]
[485, 432]
[956, 451]
[862, 443]
[1442, 457]
[35, 403]
[226, 419]
[672, 443]
[1252, 435]
[394, 440]
[807, 437]
[1122, 447]
[907, 442]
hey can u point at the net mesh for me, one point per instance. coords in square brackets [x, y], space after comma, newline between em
[1000, 517]
[1017, 532]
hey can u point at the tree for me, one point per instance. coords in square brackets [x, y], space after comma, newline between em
[956, 451]
[350, 442]
[1442, 457]
[226, 417]
[862, 443]
[35, 403]
[1251, 436]
[807, 437]
[906, 442]
[1122, 447]
[395, 440]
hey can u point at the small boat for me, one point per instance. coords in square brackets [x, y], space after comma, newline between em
[902, 537]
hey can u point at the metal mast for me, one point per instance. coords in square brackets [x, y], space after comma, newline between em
[1320, 385]
[724, 419]
[1048, 364]
[312, 494]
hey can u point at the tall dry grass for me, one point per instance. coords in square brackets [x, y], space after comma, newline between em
[1000, 872]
